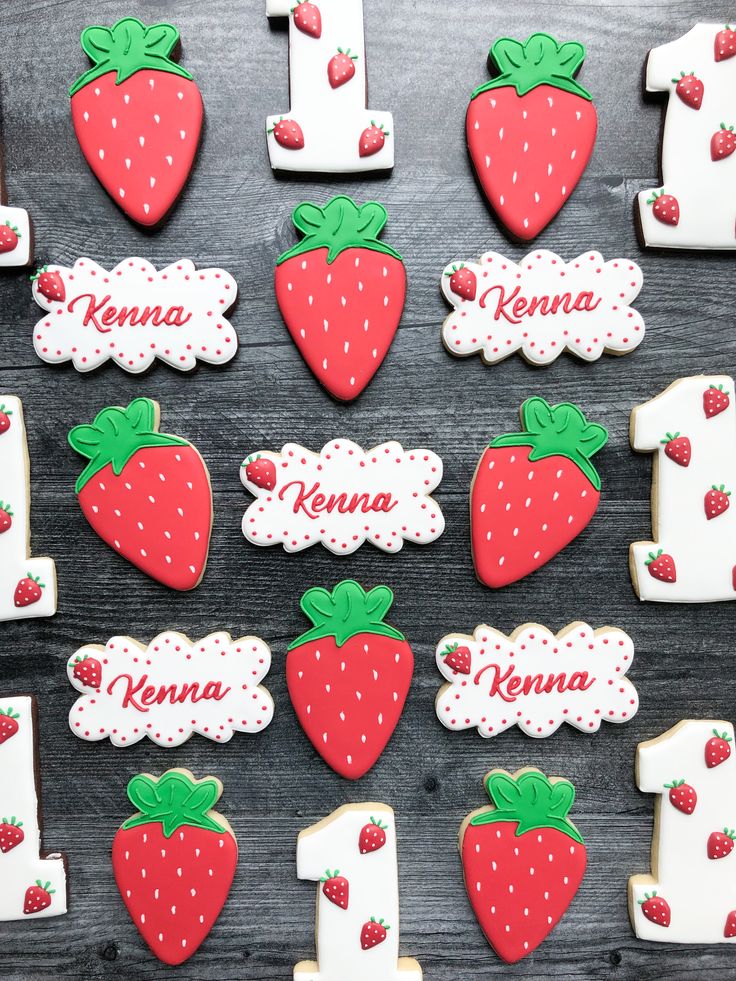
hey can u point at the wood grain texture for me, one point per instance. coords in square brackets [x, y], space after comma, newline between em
[425, 59]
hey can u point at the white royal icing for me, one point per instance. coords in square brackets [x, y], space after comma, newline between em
[703, 550]
[22, 867]
[135, 313]
[18, 219]
[700, 891]
[172, 689]
[344, 496]
[537, 680]
[373, 892]
[332, 120]
[543, 306]
[705, 189]
[15, 564]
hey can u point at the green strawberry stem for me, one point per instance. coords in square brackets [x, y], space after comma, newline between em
[538, 61]
[116, 435]
[340, 225]
[558, 430]
[126, 48]
[531, 801]
[173, 800]
[346, 612]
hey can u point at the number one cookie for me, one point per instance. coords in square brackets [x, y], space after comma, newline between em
[328, 128]
[27, 586]
[352, 855]
[30, 886]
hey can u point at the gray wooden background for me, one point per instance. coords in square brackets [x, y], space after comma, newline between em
[425, 58]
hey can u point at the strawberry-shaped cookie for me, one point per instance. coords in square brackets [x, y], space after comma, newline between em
[531, 130]
[523, 860]
[534, 491]
[349, 676]
[341, 292]
[138, 116]
[146, 494]
[174, 861]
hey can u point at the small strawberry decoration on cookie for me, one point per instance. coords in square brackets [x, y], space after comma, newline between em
[38, 897]
[28, 591]
[260, 472]
[337, 888]
[88, 670]
[715, 401]
[534, 491]
[716, 501]
[307, 18]
[677, 448]
[350, 649]
[463, 282]
[523, 860]
[138, 116]
[690, 89]
[725, 44]
[372, 140]
[531, 130]
[146, 494]
[11, 834]
[682, 796]
[730, 928]
[665, 207]
[6, 517]
[656, 909]
[374, 932]
[9, 238]
[174, 861]
[661, 566]
[288, 134]
[717, 749]
[723, 143]
[341, 292]
[5, 419]
[50, 284]
[720, 843]
[458, 658]
[372, 837]
[341, 68]
[8, 724]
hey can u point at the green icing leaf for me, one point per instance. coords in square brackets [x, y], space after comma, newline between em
[538, 61]
[346, 612]
[340, 225]
[173, 800]
[126, 48]
[532, 801]
[558, 430]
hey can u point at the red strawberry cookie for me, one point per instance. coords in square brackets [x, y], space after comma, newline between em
[531, 130]
[534, 491]
[689, 897]
[341, 292]
[174, 861]
[523, 860]
[349, 676]
[146, 494]
[138, 116]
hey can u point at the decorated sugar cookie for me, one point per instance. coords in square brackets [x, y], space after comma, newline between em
[690, 895]
[531, 130]
[691, 429]
[542, 307]
[146, 494]
[523, 859]
[27, 585]
[342, 497]
[138, 116]
[535, 679]
[174, 861]
[134, 314]
[16, 231]
[695, 208]
[349, 649]
[341, 292]
[170, 689]
[534, 491]
[357, 902]
[32, 885]
[328, 128]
